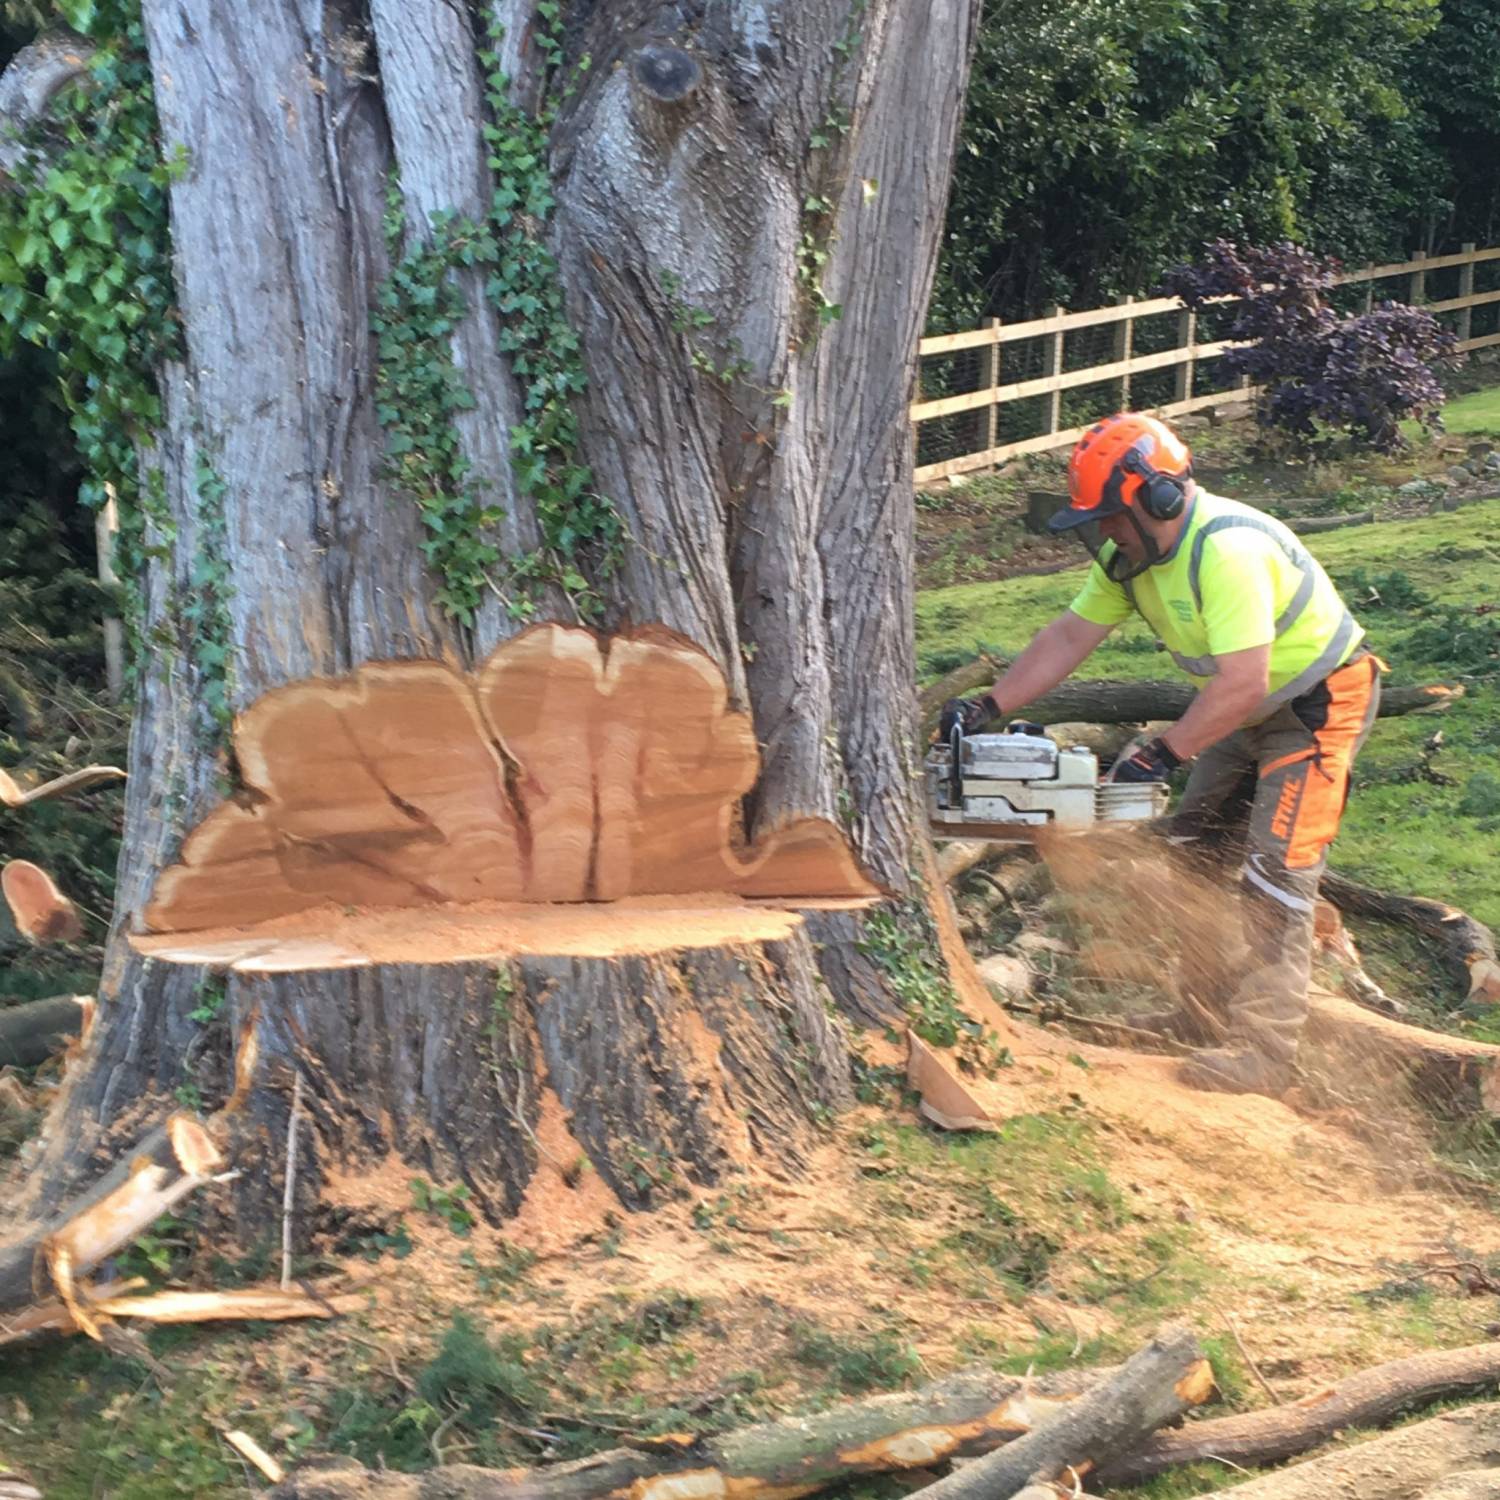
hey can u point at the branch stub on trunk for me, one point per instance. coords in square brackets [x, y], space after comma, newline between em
[668, 74]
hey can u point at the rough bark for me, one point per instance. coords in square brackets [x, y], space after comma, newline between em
[32, 79]
[1399, 1466]
[1467, 946]
[1107, 701]
[968, 1413]
[1153, 1388]
[1369, 1398]
[774, 532]
[31, 1033]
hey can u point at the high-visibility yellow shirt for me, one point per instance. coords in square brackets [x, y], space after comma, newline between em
[1236, 578]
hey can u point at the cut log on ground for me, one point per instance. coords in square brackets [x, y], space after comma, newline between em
[14, 795]
[1152, 1389]
[41, 912]
[1400, 1466]
[1110, 701]
[1310, 525]
[1369, 1398]
[31, 1033]
[1467, 946]
[1450, 1074]
[412, 813]
[174, 1160]
[970, 1412]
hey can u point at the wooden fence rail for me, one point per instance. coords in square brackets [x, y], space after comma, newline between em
[992, 391]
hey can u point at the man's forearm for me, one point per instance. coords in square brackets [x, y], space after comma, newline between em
[1221, 707]
[1055, 651]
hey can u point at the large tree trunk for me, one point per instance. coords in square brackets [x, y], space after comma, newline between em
[767, 504]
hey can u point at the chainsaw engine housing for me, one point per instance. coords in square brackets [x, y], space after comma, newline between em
[1026, 780]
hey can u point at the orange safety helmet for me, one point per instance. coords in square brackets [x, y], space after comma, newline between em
[1127, 464]
[1126, 460]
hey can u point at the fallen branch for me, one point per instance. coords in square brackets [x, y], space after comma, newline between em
[174, 1160]
[32, 79]
[971, 1412]
[1366, 1399]
[11, 795]
[1109, 701]
[1467, 946]
[249, 1305]
[1153, 1388]
[1308, 525]
[31, 1033]
[1399, 1466]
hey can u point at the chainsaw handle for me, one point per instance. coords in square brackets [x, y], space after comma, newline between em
[956, 766]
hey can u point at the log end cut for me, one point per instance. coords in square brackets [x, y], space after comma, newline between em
[42, 913]
[576, 795]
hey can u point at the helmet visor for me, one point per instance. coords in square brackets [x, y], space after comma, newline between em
[1117, 564]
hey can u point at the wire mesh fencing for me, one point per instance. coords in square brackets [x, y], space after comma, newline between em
[990, 394]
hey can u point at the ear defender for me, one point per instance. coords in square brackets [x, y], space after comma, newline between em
[1161, 496]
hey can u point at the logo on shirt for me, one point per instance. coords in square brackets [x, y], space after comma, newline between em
[1182, 609]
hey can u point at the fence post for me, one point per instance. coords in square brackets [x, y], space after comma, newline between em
[1370, 288]
[1054, 367]
[1187, 335]
[989, 379]
[1418, 293]
[1124, 345]
[1466, 289]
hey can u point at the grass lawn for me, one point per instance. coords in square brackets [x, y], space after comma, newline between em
[1428, 827]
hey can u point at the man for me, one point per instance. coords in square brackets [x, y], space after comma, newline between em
[1287, 694]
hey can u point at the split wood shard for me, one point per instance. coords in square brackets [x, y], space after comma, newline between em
[42, 913]
[408, 813]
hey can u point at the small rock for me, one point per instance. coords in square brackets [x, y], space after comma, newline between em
[1414, 487]
[1006, 976]
[1477, 452]
[1492, 462]
[1459, 474]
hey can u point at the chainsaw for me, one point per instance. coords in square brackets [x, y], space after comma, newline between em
[1012, 784]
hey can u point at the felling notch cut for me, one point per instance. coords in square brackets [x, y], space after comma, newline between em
[577, 794]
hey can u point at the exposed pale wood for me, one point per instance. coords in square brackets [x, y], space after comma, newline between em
[245, 1305]
[106, 527]
[572, 769]
[1466, 945]
[1487, 341]
[31, 1033]
[1152, 1389]
[253, 1453]
[1472, 1484]
[968, 1413]
[14, 795]
[1450, 1074]
[172, 1161]
[1369, 1398]
[41, 912]
[1398, 1466]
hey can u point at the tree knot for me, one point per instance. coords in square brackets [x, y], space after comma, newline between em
[666, 73]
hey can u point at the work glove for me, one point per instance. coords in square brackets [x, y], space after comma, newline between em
[1152, 761]
[968, 714]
